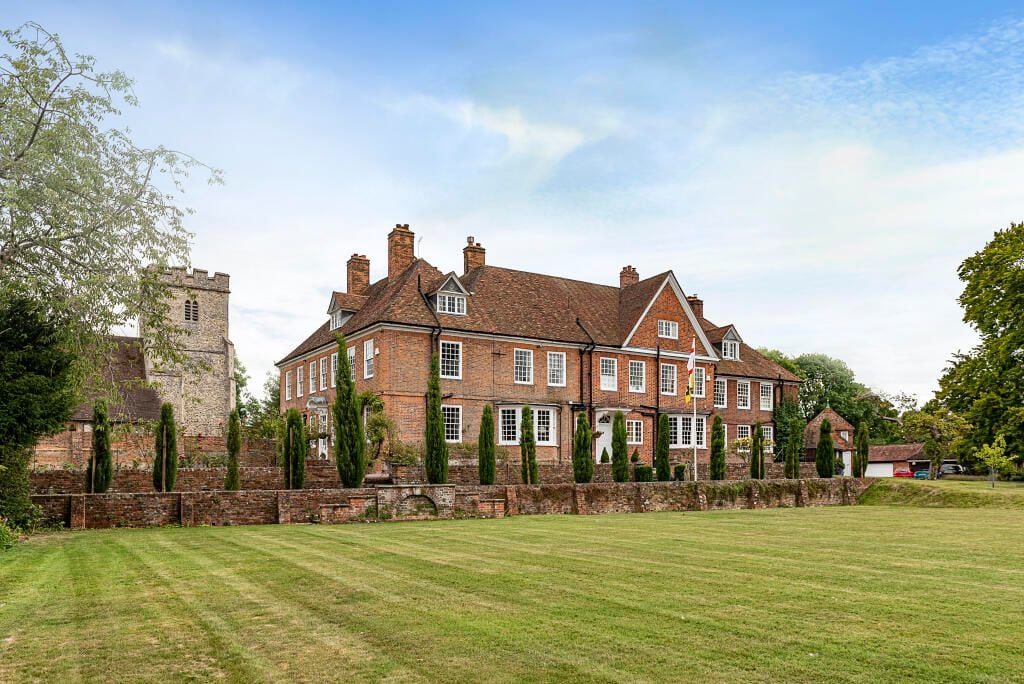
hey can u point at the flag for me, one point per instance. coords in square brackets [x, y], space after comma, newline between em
[691, 364]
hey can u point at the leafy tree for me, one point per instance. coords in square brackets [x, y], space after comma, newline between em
[783, 360]
[661, 449]
[88, 218]
[941, 431]
[349, 442]
[294, 446]
[716, 468]
[485, 445]
[100, 471]
[787, 416]
[261, 417]
[828, 382]
[861, 449]
[380, 430]
[435, 458]
[582, 458]
[994, 457]
[165, 462]
[825, 455]
[620, 463]
[741, 449]
[528, 447]
[757, 453]
[986, 385]
[794, 446]
[604, 455]
[232, 481]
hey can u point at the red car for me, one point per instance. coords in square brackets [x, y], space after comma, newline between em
[903, 473]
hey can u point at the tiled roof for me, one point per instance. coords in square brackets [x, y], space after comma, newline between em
[348, 302]
[890, 453]
[751, 364]
[634, 299]
[838, 424]
[124, 369]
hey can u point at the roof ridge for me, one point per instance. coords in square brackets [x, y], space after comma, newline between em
[546, 275]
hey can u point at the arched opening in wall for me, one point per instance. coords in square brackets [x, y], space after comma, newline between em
[417, 506]
[192, 310]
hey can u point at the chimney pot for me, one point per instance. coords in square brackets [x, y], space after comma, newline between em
[473, 255]
[628, 276]
[697, 304]
[358, 271]
[401, 249]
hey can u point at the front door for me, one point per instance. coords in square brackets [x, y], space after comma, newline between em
[603, 424]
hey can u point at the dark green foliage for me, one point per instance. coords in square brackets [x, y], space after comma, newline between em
[825, 454]
[232, 480]
[165, 461]
[635, 458]
[100, 471]
[15, 502]
[349, 442]
[620, 459]
[294, 446]
[716, 469]
[793, 447]
[661, 449]
[485, 446]
[679, 472]
[528, 447]
[582, 456]
[786, 416]
[8, 537]
[604, 456]
[757, 453]
[860, 453]
[643, 473]
[435, 456]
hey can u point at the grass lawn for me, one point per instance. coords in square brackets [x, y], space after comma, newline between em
[869, 593]
[946, 493]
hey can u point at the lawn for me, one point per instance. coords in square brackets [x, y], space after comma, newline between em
[869, 593]
[946, 493]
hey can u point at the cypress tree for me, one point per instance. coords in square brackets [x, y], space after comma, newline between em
[349, 442]
[793, 446]
[100, 471]
[232, 482]
[528, 447]
[861, 451]
[661, 450]
[825, 456]
[435, 459]
[485, 443]
[165, 463]
[582, 457]
[757, 453]
[620, 462]
[716, 469]
[294, 446]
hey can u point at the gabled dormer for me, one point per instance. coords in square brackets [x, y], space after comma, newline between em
[730, 345]
[451, 298]
[342, 307]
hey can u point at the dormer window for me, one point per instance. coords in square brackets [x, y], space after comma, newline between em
[338, 319]
[451, 304]
[730, 349]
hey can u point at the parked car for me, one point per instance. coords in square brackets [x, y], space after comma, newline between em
[902, 473]
[951, 469]
[921, 475]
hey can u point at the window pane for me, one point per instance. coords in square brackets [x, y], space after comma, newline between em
[556, 368]
[634, 432]
[509, 432]
[698, 382]
[352, 363]
[766, 396]
[368, 359]
[543, 426]
[451, 360]
[721, 385]
[609, 374]
[523, 371]
[637, 373]
[668, 378]
[452, 423]
[743, 395]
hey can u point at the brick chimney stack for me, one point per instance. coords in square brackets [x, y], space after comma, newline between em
[697, 304]
[628, 276]
[401, 249]
[358, 274]
[472, 255]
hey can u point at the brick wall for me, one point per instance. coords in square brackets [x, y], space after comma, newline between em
[74, 448]
[188, 480]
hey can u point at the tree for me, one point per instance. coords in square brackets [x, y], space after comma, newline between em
[485, 446]
[604, 455]
[232, 481]
[986, 384]
[294, 446]
[582, 456]
[941, 431]
[528, 447]
[100, 471]
[783, 360]
[787, 416]
[794, 445]
[435, 459]
[994, 457]
[261, 417]
[716, 468]
[661, 448]
[349, 442]
[165, 462]
[757, 453]
[825, 455]
[861, 449]
[620, 456]
[88, 219]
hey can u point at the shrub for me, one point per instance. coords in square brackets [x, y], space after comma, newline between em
[15, 495]
[620, 466]
[435, 457]
[485, 452]
[8, 537]
[100, 470]
[635, 458]
[825, 454]
[232, 482]
[582, 457]
[661, 449]
[716, 468]
[643, 473]
[293, 450]
[604, 456]
[165, 461]
[528, 447]
[679, 472]
[757, 453]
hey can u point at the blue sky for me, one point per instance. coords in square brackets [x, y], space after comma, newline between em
[816, 173]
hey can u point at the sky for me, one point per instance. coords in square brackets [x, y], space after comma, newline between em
[815, 173]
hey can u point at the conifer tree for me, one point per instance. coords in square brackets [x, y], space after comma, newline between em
[100, 470]
[435, 458]
[349, 442]
[165, 463]
[582, 456]
[757, 453]
[620, 457]
[232, 481]
[793, 447]
[294, 446]
[661, 448]
[862, 448]
[528, 447]
[716, 468]
[825, 456]
[485, 444]
[604, 455]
